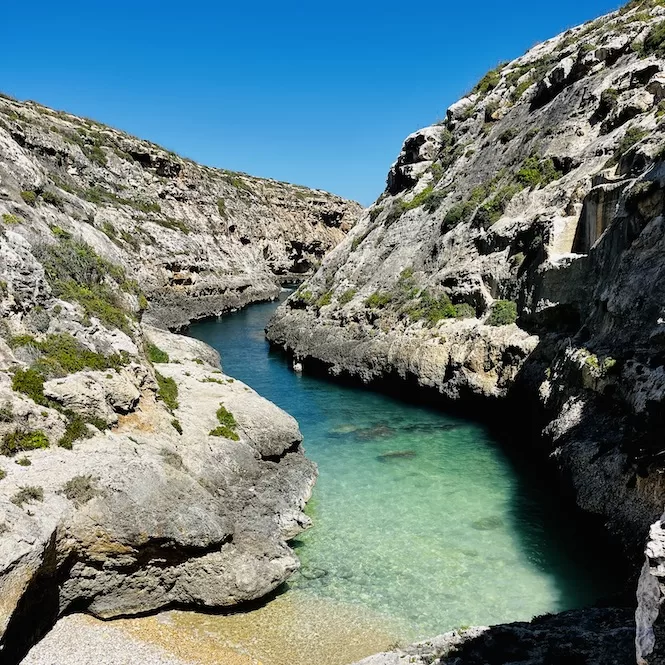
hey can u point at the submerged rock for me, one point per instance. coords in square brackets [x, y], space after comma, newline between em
[396, 455]
[487, 523]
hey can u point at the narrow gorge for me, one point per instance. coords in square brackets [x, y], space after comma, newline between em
[477, 362]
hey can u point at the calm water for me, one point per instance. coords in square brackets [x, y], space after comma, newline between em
[419, 516]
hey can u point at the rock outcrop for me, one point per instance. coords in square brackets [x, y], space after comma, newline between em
[198, 240]
[159, 511]
[518, 254]
[593, 637]
[134, 474]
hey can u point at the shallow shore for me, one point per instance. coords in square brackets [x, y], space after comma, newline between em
[292, 629]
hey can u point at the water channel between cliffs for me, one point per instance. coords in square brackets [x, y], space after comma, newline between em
[422, 521]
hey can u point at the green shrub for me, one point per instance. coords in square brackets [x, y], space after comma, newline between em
[156, 355]
[16, 442]
[27, 495]
[490, 81]
[51, 198]
[536, 171]
[64, 355]
[60, 233]
[508, 135]
[432, 308]
[30, 382]
[96, 300]
[3, 474]
[23, 461]
[497, 205]
[324, 300]
[632, 136]
[96, 154]
[378, 300]
[464, 311]
[502, 313]
[76, 273]
[11, 219]
[608, 101]
[654, 43]
[76, 429]
[175, 423]
[29, 197]
[168, 391]
[227, 425]
[6, 413]
[347, 296]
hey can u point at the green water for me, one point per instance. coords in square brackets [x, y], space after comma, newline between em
[419, 516]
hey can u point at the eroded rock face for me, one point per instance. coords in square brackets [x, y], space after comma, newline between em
[199, 240]
[134, 474]
[541, 195]
[593, 637]
[151, 515]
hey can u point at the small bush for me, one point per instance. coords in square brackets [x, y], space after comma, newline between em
[490, 81]
[654, 42]
[168, 391]
[508, 135]
[17, 442]
[27, 495]
[156, 355]
[536, 171]
[464, 311]
[347, 296]
[30, 382]
[23, 461]
[78, 274]
[79, 490]
[227, 425]
[11, 219]
[3, 474]
[6, 413]
[175, 423]
[378, 300]
[52, 198]
[76, 429]
[502, 313]
[64, 355]
[324, 300]
[29, 197]
[632, 136]
[432, 308]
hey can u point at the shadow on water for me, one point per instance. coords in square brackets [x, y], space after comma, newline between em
[368, 440]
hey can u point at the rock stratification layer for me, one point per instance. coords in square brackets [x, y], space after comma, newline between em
[519, 252]
[199, 240]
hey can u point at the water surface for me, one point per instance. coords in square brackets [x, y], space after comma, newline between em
[420, 517]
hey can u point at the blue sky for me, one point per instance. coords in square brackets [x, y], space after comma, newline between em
[320, 94]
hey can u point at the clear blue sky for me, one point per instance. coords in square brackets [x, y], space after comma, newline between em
[316, 93]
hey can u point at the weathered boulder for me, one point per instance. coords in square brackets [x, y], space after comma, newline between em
[157, 512]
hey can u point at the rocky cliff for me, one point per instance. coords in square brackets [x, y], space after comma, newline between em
[198, 240]
[134, 474]
[518, 256]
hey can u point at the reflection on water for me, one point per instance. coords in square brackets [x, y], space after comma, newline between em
[420, 518]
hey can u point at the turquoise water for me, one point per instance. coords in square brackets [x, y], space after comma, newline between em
[419, 516]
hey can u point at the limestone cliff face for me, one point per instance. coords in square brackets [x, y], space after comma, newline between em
[134, 474]
[519, 251]
[198, 240]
